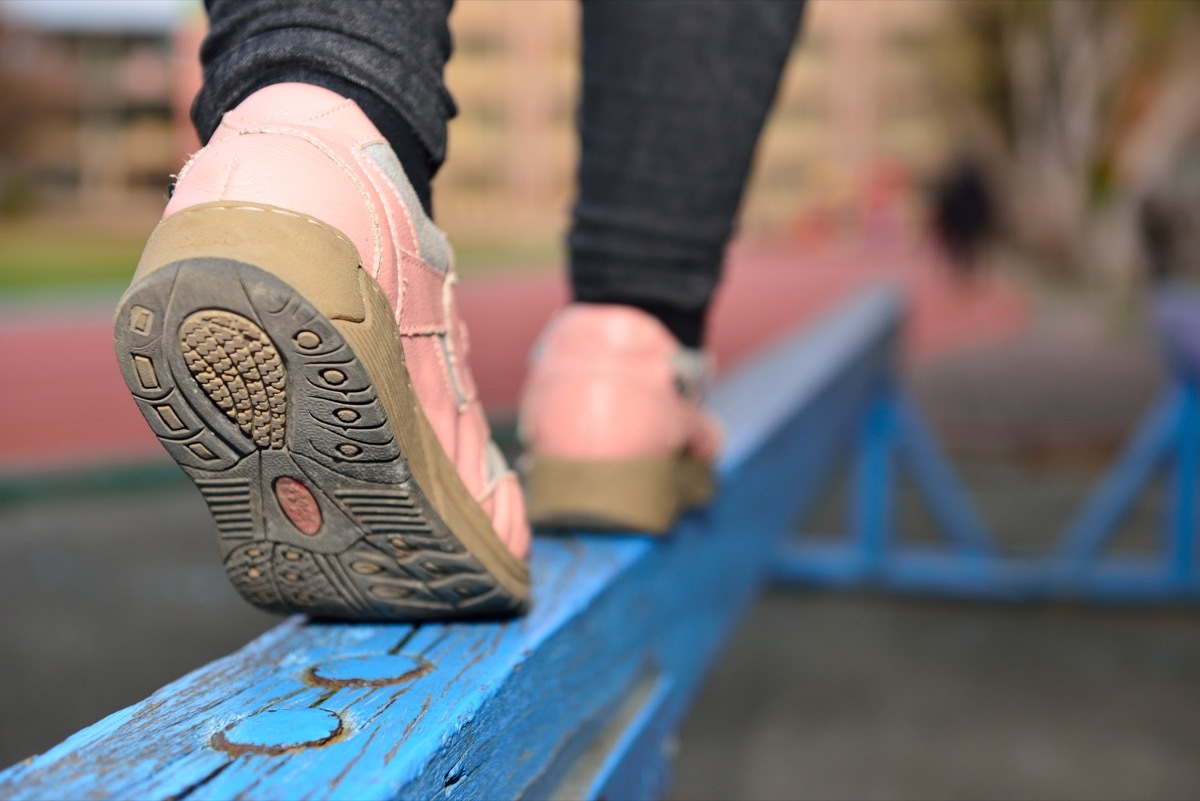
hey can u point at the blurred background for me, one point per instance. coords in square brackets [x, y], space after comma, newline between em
[1016, 165]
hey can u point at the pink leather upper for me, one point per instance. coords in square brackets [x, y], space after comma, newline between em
[605, 384]
[303, 148]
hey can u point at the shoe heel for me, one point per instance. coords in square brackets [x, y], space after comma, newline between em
[268, 364]
[644, 495]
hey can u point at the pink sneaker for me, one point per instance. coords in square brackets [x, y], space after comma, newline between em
[615, 437]
[291, 337]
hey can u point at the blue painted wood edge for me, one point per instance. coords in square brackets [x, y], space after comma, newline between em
[523, 707]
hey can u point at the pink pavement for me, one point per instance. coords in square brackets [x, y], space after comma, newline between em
[770, 287]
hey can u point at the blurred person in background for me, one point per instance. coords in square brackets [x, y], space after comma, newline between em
[291, 332]
[963, 212]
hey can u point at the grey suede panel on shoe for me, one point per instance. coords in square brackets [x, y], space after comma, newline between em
[435, 250]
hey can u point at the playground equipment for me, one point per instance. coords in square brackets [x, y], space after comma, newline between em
[577, 699]
[580, 699]
[892, 437]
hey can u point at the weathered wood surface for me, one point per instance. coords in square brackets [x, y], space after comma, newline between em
[577, 699]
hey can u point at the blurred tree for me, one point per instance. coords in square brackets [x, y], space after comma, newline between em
[1080, 108]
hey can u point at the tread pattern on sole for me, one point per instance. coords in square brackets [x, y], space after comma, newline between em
[228, 501]
[239, 368]
[272, 391]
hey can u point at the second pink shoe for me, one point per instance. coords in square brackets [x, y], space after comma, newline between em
[611, 420]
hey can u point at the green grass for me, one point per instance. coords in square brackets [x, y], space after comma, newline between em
[35, 258]
[489, 257]
[38, 257]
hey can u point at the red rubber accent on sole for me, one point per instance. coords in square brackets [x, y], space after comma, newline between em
[298, 503]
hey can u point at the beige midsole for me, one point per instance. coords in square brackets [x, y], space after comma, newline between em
[323, 266]
[630, 494]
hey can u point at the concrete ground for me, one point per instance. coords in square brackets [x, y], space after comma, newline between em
[104, 600]
[835, 697]
[108, 597]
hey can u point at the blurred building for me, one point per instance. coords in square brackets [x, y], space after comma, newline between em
[856, 116]
[94, 103]
[509, 173]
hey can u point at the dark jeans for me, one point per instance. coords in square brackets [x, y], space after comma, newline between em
[674, 97]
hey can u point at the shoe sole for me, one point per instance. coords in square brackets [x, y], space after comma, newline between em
[270, 367]
[642, 495]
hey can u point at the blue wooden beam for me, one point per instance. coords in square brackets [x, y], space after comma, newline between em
[579, 698]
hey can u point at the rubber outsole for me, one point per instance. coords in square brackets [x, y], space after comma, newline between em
[269, 409]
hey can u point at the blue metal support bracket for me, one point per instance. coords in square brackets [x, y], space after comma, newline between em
[894, 437]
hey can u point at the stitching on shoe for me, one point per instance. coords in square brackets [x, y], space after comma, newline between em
[229, 170]
[335, 109]
[451, 322]
[368, 166]
[460, 336]
[445, 279]
[358, 184]
[282, 116]
[441, 325]
[283, 212]
[471, 389]
[387, 212]
[448, 383]
[188, 164]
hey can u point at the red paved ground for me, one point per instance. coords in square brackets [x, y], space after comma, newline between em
[64, 404]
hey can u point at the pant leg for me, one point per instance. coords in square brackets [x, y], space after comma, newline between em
[387, 56]
[675, 94]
